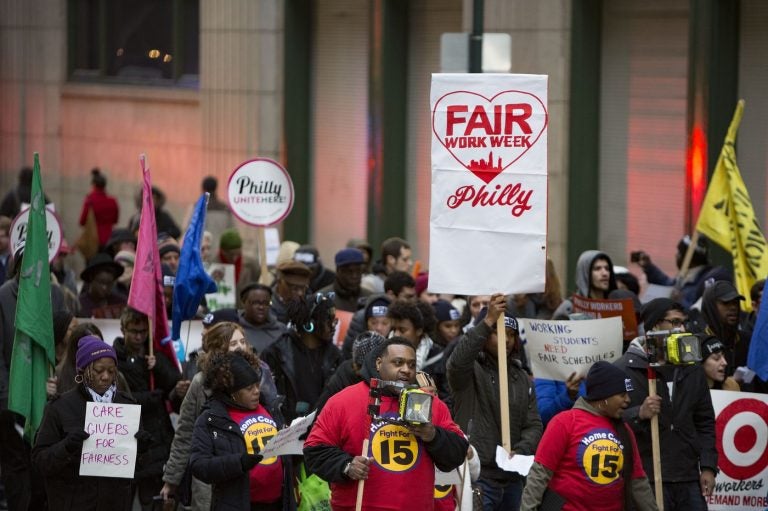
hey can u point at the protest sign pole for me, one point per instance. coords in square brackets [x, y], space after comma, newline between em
[261, 239]
[460, 492]
[501, 335]
[361, 482]
[655, 442]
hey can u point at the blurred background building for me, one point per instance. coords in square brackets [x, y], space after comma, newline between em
[640, 95]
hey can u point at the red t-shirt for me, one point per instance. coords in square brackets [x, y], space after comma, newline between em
[402, 474]
[585, 454]
[258, 427]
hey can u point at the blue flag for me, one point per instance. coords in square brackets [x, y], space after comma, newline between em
[757, 360]
[192, 282]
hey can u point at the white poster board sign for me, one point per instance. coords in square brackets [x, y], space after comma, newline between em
[18, 230]
[287, 440]
[558, 348]
[110, 451]
[260, 192]
[488, 223]
[225, 296]
[741, 431]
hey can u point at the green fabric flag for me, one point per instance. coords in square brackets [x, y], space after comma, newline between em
[33, 352]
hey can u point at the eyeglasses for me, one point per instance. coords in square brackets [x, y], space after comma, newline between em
[674, 321]
[138, 333]
[260, 303]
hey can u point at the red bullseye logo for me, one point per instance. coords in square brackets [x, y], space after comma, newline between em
[742, 438]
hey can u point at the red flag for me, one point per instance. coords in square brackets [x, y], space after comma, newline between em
[146, 294]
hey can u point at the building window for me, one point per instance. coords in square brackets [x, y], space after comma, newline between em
[134, 41]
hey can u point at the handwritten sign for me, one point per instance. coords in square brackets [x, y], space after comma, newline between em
[596, 308]
[287, 440]
[741, 433]
[558, 348]
[110, 451]
[224, 277]
[489, 183]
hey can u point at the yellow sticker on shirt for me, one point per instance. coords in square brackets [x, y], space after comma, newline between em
[442, 491]
[602, 456]
[257, 431]
[394, 447]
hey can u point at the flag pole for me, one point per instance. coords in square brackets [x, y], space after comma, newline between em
[151, 354]
[687, 259]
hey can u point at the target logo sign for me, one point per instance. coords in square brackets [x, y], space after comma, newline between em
[742, 438]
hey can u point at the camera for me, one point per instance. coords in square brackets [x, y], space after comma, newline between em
[673, 347]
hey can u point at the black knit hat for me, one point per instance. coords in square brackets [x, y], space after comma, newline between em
[243, 374]
[655, 310]
[605, 380]
[710, 345]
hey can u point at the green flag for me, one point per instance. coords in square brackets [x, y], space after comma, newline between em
[33, 352]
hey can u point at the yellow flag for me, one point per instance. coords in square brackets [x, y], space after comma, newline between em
[728, 219]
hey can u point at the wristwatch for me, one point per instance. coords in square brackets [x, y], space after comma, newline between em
[346, 469]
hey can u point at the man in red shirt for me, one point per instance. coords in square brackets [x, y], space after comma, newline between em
[588, 456]
[399, 466]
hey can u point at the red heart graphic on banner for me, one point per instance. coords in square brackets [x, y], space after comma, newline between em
[502, 129]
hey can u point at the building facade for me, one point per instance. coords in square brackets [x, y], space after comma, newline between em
[640, 94]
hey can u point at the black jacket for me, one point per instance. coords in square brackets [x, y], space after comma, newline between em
[154, 413]
[473, 376]
[280, 358]
[217, 445]
[66, 489]
[686, 423]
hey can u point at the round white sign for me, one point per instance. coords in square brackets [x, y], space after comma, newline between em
[52, 225]
[260, 192]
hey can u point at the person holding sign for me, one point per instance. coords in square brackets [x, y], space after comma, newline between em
[57, 450]
[473, 376]
[229, 435]
[399, 468]
[588, 457]
[595, 278]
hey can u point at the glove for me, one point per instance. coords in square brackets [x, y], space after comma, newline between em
[74, 441]
[143, 439]
[248, 461]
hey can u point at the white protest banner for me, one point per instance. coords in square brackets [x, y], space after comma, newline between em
[110, 451]
[224, 277]
[287, 440]
[558, 348]
[741, 431]
[488, 223]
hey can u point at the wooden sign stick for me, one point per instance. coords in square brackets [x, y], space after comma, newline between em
[501, 335]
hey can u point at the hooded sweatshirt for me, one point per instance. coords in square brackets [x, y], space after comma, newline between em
[583, 279]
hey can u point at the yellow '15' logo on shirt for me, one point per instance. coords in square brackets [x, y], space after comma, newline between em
[257, 434]
[394, 447]
[601, 455]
